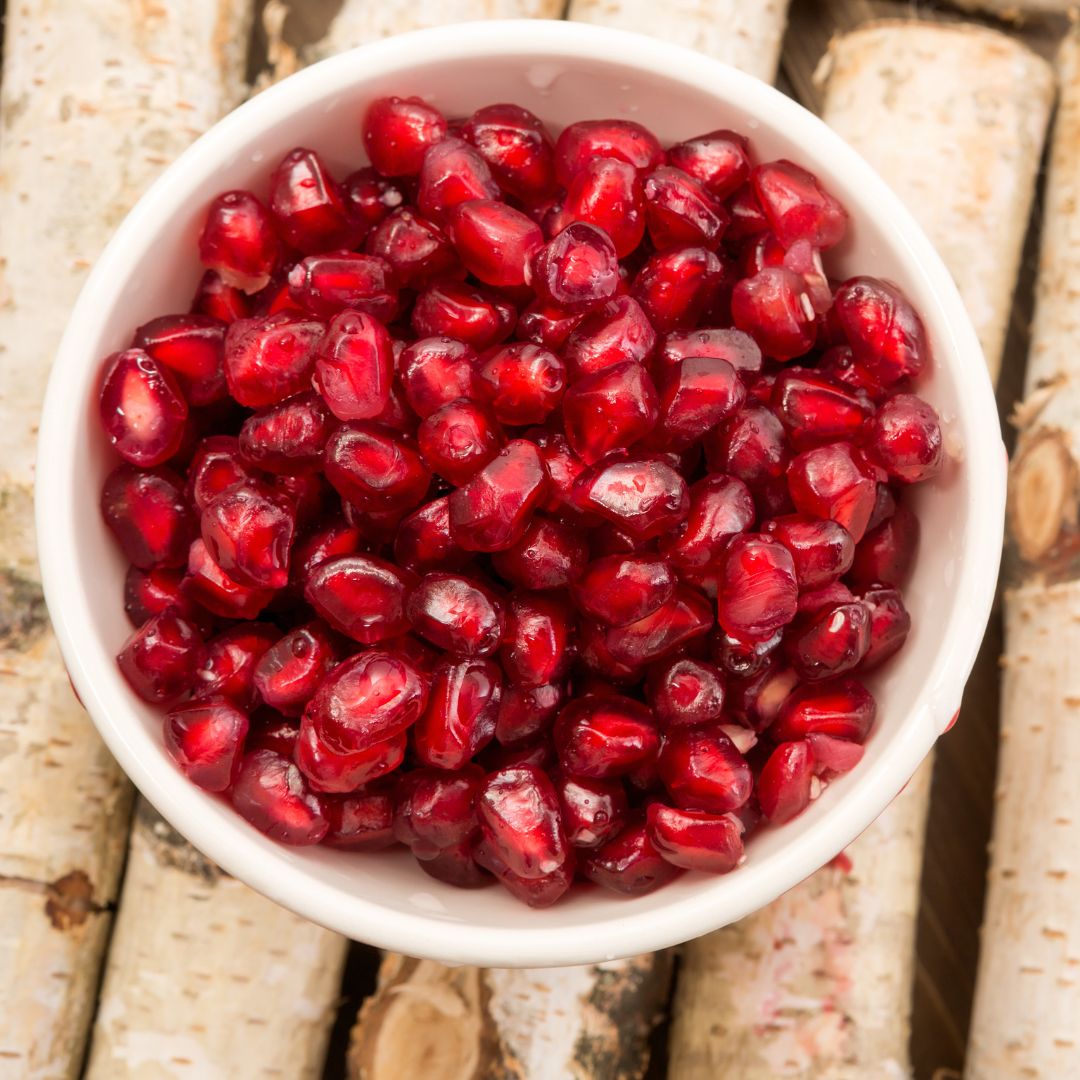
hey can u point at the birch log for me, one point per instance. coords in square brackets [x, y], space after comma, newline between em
[96, 99]
[747, 35]
[1026, 1020]
[237, 988]
[819, 984]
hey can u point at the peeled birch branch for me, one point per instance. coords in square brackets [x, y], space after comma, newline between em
[1027, 996]
[819, 984]
[746, 35]
[96, 99]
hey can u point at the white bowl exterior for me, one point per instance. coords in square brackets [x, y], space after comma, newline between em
[563, 72]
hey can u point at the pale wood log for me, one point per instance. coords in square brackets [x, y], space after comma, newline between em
[745, 35]
[96, 99]
[209, 981]
[969, 107]
[1027, 1000]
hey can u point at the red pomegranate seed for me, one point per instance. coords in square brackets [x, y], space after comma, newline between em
[645, 498]
[495, 242]
[549, 555]
[612, 334]
[462, 708]
[783, 788]
[207, 741]
[160, 658]
[694, 840]
[797, 206]
[239, 241]
[838, 364]
[679, 211]
[308, 494]
[272, 794]
[227, 668]
[687, 615]
[886, 554]
[207, 585]
[596, 657]
[456, 614]
[192, 347]
[417, 249]
[774, 308]
[324, 284]
[610, 410]
[833, 756]
[810, 603]
[526, 712]
[142, 408]
[458, 440]
[739, 349]
[602, 737]
[884, 507]
[844, 709]
[721, 507]
[757, 699]
[886, 335]
[702, 770]
[696, 394]
[290, 671]
[436, 371]
[149, 516]
[333, 537]
[758, 593]
[537, 752]
[492, 511]
[536, 646]
[829, 482]
[248, 531]
[830, 642]
[815, 410]
[215, 467]
[904, 438]
[220, 301]
[744, 657]
[747, 216]
[720, 161]
[373, 470]
[423, 541]
[563, 469]
[577, 270]
[537, 892]
[629, 863]
[521, 382]
[889, 625]
[548, 326]
[456, 866]
[435, 809]
[150, 592]
[360, 596]
[587, 140]
[308, 206]
[519, 817]
[686, 693]
[287, 438]
[821, 550]
[674, 287]
[270, 359]
[464, 312]
[368, 699]
[371, 198]
[621, 589]
[452, 173]
[398, 133]
[517, 148]
[608, 194]
[359, 822]
[750, 446]
[593, 810]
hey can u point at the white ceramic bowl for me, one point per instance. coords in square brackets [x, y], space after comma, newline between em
[563, 72]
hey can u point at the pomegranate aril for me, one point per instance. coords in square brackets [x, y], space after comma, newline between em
[150, 592]
[359, 822]
[750, 446]
[227, 668]
[757, 593]
[844, 709]
[149, 515]
[360, 596]
[885, 333]
[160, 658]
[904, 438]
[621, 589]
[271, 358]
[797, 206]
[537, 638]
[308, 206]
[821, 550]
[371, 198]
[695, 395]
[685, 616]
[417, 249]
[464, 312]
[550, 555]
[744, 657]
[612, 334]
[519, 817]
[587, 140]
[679, 211]
[423, 541]
[459, 439]
[495, 242]
[220, 301]
[526, 712]
[831, 482]
[239, 241]
[287, 438]
[308, 494]
[209, 586]
[739, 349]
[721, 507]
[521, 382]
[373, 469]
[398, 133]
[610, 410]
[215, 467]
[608, 194]
[290, 671]
[545, 325]
[833, 756]
[538, 892]
[629, 863]
[774, 307]
[435, 809]
[593, 810]
[747, 216]
[368, 699]
[720, 161]
[332, 771]
[702, 770]
[601, 737]
[694, 840]
[886, 554]
[206, 739]
[577, 270]
[437, 371]
[452, 173]
[456, 614]
[814, 409]
[757, 699]
[192, 347]
[324, 284]
[686, 693]
[272, 794]
[675, 287]
[142, 408]
[248, 531]
[830, 642]
[596, 657]
[784, 784]
[517, 148]
[462, 708]
[645, 498]
[810, 603]
[889, 625]
[537, 752]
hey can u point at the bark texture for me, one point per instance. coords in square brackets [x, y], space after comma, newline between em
[954, 118]
[1028, 992]
[96, 99]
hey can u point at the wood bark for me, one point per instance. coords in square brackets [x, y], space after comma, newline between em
[1028, 990]
[206, 980]
[819, 984]
[96, 99]
[745, 35]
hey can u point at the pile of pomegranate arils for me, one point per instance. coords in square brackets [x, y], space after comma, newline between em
[536, 504]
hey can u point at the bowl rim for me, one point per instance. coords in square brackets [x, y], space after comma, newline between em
[717, 901]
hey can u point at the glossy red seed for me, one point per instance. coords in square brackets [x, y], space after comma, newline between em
[495, 242]
[423, 541]
[829, 482]
[368, 699]
[456, 614]
[596, 657]
[537, 892]
[680, 211]
[290, 671]
[756, 700]
[160, 658]
[550, 555]
[685, 616]
[215, 467]
[719, 160]
[838, 364]
[702, 770]
[686, 693]
[435, 809]
[399, 131]
[371, 198]
[462, 708]
[621, 589]
[889, 625]
[207, 584]
[610, 410]
[287, 438]
[774, 307]
[674, 287]
[150, 592]
[585, 141]
[373, 469]
[517, 148]
[436, 371]
[629, 863]
[458, 440]
[887, 553]
[359, 822]
[757, 593]
[608, 194]
[192, 347]
[721, 507]
[324, 284]
[149, 515]
[519, 816]
[810, 603]
[272, 794]
[207, 741]
[361, 596]
[830, 642]
[821, 550]
[612, 334]
[814, 409]
[417, 249]
[602, 737]
[521, 382]
[645, 498]
[747, 216]
[904, 438]
[844, 709]
[593, 810]
[797, 206]
[227, 668]
[537, 752]
[307, 493]
[269, 359]
[833, 756]
[545, 325]
[142, 408]
[743, 657]
[526, 712]
[577, 270]
[783, 787]
[537, 638]
[696, 394]
[308, 206]
[239, 241]
[493, 510]
[694, 840]
[885, 333]
[737, 348]
[452, 173]
[220, 301]
[750, 446]
[248, 531]
[464, 312]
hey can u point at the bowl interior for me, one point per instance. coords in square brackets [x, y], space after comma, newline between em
[562, 74]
